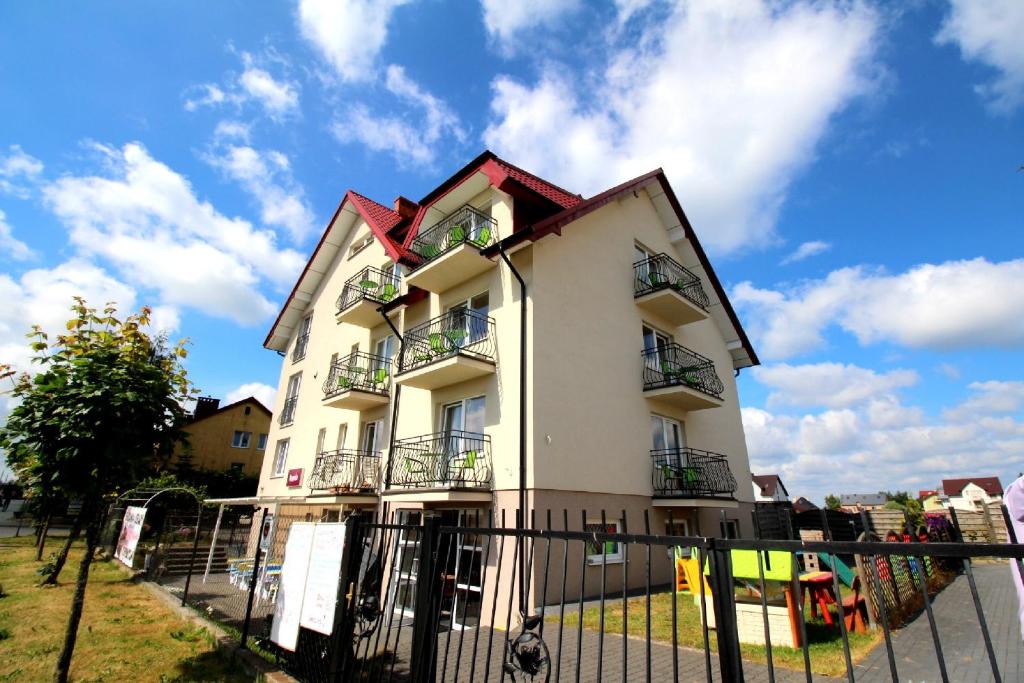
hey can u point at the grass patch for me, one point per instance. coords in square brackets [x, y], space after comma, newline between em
[825, 643]
[126, 634]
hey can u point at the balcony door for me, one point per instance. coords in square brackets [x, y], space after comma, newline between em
[370, 440]
[668, 438]
[656, 350]
[468, 329]
[466, 415]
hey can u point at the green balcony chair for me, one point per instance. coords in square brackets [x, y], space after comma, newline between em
[387, 292]
[483, 236]
[414, 468]
[656, 279]
[379, 376]
[368, 286]
[437, 343]
[456, 234]
[685, 479]
[462, 466]
[456, 337]
[429, 251]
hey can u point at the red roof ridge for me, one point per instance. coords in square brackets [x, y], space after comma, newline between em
[990, 485]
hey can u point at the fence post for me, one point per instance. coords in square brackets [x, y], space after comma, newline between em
[342, 648]
[253, 581]
[423, 663]
[192, 556]
[725, 614]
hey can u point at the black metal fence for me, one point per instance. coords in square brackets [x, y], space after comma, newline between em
[346, 471]
[449, 459]
[369, 283]
[660, 272]
[691, 473]
[465, 226]
[287, 415]
[676, 365]
[460, 331]
[467, 596]
[359, 372]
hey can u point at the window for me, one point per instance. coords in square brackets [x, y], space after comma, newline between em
[666, 434]
[466, 415]
[320, 438]
[371, 435]
[237, 467]
[291, 399]
[342, 433]
[302, 340]
[606, 551]
[475, 326]
[261, 442]
[731, 528]
[241, 439]
[360, 244]
[656, 350]
[384, 348]
[678, 527]
[280, 458]
[248, 410]
[329, 515]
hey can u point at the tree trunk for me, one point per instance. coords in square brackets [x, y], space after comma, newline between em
[41, 540]
[62, 556]
[92, 534]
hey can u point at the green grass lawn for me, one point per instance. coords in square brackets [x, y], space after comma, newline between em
[825, 643]
[126, 634]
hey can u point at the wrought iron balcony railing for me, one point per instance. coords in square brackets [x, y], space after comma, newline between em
[465, 226]
[360, 371]
[457, 332]
[346, 471]
[299, 352]
[451, 459]
[690, 473]
[675, 365]
[287, 415]
[663, 272]
[369, 283]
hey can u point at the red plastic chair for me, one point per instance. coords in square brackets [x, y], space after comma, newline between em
[855, 610]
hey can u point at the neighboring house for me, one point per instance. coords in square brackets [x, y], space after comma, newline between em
[230, 438]
[932, 500]
[972, 493]
[631, 350]
[855, 502]
[801, 504]
[768, 488]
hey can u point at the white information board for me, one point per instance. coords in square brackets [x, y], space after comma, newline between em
[131, 529]
[321, 594]
[292, 585]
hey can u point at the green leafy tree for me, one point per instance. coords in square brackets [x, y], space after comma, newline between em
[105, 403]
[832, 502]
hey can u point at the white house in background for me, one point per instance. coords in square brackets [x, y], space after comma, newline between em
[768, 488]
[972, 494]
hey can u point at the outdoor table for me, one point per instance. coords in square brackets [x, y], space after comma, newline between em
[820, 593]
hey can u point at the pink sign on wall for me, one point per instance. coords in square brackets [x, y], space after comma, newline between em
[295, 477]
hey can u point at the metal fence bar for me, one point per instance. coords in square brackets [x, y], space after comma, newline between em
[192, 556]
[253, 580]
[969, 571]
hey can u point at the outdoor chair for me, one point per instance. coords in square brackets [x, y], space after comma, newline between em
[483, 235]
[368, 286]
[429, 251]
[462, 464]
[379, 376]
[682, 478]
[656, 279]
[855, 610]
[456, 234]
[387, 292]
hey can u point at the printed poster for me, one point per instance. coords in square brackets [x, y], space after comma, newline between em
[131, 529]
[292, 585]
[321, 595]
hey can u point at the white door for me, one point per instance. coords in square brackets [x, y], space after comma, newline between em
[668, 438]
[405, 571]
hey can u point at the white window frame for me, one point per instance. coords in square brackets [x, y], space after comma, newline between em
[261, 442]
[342, 435]
[321, 437]
[605, 558]
[684, 552]
[240, 439]
[378, 425]
[467, 304]
[280, 465]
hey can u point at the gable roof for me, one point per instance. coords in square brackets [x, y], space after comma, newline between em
[251, 399]
[862, 499]
[990, 485]
[769, 484]
[801, 504]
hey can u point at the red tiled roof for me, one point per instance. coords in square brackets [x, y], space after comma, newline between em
[563, 198]
[383, 217]
[990, 485]
[768, 483]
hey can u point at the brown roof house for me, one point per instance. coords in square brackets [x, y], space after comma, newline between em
[768, 488]
[220, 439]
[972, 493]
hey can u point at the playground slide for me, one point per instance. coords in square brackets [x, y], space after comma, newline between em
[835, 564]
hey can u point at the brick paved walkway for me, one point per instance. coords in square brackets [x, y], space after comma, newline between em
[959, 634]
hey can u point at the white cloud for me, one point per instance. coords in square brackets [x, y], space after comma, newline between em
[412, 141]
[990, 32]
[10, 246]
[506, 22]
[43, 296]
[17, 167]
[349, 34]
[232, 130]
[277, 97]
[145, 219]
[730, 98]
[951, 305]
[204, 95]
[267, 177]
[885, 444]
[264, 393]
[833, 385]
[806, 250]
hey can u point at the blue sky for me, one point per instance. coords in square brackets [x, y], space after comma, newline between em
[851, 167]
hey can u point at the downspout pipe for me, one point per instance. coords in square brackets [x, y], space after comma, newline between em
[397, 389]
[521, 517]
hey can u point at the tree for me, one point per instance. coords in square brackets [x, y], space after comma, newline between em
[106, 401]
[832, 502]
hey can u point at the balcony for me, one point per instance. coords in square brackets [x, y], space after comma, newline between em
[684, 378]
[687, 473]
[301, 343]
[665, 288]
[287, 415]
[358, 382]
[453, 459]
[451, 348]
[450, 250]
[346, 472]
[364, 293]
